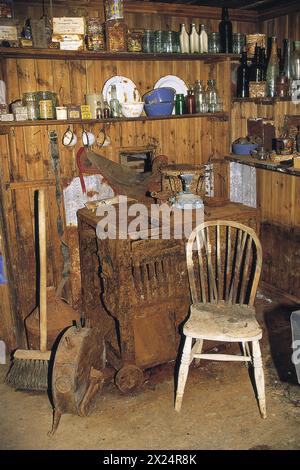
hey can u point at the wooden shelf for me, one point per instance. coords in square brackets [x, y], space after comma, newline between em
[48, 122]
[24, 53]
[264, 101]
[262, 164]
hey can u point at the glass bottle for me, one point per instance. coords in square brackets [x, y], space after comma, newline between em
[287, 66]
[214, 43]
[212, 96]
[148, 41]
[243, 72]
[179, 105]
[194, 40]
[190, 103]
[272, 70]
[184, 40]
[262, 64]
[99, 110]
[169, 42]
[203, 40]
[296, 61]
[105, 111]
[255, 74]
[114, 103]
[280, 61]
[225, 29]
[199, 93]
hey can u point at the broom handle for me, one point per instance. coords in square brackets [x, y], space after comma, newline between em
[43, 271]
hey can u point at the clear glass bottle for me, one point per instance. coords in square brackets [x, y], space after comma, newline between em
[158, 41]
[199, 93]
[272, 70]
[114, 103]
[203, 40]
[213, 43]
[296, 61]
[169, 42]
[238, 43]
[148, 41]
[212, 96]
[184, 40]
[194, 39]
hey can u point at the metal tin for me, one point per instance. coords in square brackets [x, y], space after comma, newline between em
[114, 9]
[253, 40]
[73, 111]
[46, 101]
[134, 41]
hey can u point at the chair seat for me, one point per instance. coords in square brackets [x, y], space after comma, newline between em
[222, 321]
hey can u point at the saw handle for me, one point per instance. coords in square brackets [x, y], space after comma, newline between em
[43, 270]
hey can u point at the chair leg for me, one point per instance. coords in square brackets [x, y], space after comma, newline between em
[183, 372]
[259, 378]
[198, 350]
[246, 351]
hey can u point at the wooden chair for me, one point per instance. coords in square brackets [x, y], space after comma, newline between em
[224, 261]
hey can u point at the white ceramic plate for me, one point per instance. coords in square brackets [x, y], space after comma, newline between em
[173, 82]
[127, 91]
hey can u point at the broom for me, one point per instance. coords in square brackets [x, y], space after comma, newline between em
[29, 370]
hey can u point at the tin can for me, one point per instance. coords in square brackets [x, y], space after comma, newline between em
[134, 41]
[46, 101]
[114, 9]
[253, 40]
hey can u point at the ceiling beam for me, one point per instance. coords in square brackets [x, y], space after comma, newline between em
[280, 10]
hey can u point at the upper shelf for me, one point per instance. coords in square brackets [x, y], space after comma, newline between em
[222, 116]
[263, 101]
[24, 53]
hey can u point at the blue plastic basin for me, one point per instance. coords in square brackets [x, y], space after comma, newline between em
[243, 149]
[159, 109]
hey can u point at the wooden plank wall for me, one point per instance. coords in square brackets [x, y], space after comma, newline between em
[25, 159]
[278, 195]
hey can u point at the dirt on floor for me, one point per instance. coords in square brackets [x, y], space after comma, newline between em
[219, 407]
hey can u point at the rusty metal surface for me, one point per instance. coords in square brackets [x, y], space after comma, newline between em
[137, 292]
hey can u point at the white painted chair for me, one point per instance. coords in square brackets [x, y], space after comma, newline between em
[224, 261]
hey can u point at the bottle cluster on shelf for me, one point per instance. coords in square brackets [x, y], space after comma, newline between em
[44, 105]
[199, 99]
[279, 75]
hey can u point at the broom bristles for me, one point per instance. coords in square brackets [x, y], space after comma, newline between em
[28, 374]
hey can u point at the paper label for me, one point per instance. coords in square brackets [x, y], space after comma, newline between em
[8, 33]
[67, 25]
